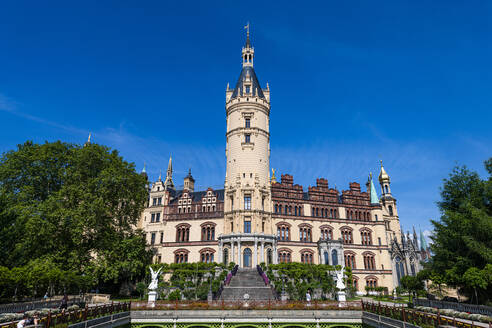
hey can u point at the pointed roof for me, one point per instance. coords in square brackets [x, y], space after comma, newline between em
[144, 170]
[168, 184]
[189, 176]
[383, 176]
[423, 241]
[248, 73]
[374, 194]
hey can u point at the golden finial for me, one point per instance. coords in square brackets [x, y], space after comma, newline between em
[381, 161]
[370, 175]
[273, 179]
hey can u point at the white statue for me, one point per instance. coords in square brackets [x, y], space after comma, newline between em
[340, 284]
[155, 279]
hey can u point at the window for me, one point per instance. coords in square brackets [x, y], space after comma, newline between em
[306, 257]
[158, 217]
[376, 217]
[326, 233]
[366, 238]
[390, 210]
[248, 89]
[386, 189]
[247, 138]
[162, 237]
[284, 256]
[247, 202]
[347, 236]
[154, 201]
[305, 233]
[159, 201]
[207, 255]
[152, 218]
[247, 123]
[152, 238]
[295, 210]
[208, 231]
[181, 256]
[276, 208]
[247, 226]
[369, 261]
[183, 233]
[283, 232]
[371, 282]
[350, 260]
[379, 241]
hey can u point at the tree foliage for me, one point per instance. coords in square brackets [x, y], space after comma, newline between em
[462, 239]
[70, 208]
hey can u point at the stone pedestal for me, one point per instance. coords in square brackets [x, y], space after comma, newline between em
[341, 296]
[152, 298]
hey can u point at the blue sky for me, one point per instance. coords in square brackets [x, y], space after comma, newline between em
[351, 82]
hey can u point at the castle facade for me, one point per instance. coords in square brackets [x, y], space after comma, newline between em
[256, 218]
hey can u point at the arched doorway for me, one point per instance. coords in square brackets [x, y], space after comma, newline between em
[247, 258]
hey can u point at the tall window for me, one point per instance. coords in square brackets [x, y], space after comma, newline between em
[247, 202]
[371, 282]
[206, 255]
[152, 218]
[181, 256]
[369, 261]
[284, 256]
[152, 238]
[247, 226]
[247, 123]
[366, 238]
[305, 233]
[326, 233]
[350, 260]
[162, 237]
[307, 257]
[158, 217]
[154, 201]
[182, 233]
[347, 236]
[247, 138]
[390, 210]
[208, 232]
[283, 232]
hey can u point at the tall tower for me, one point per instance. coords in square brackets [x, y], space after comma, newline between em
[388, 202]
[247, 199]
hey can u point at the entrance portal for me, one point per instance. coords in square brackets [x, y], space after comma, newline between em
[247, 258]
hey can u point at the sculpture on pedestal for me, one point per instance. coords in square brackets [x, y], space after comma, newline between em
[153, 285]
[340, 285]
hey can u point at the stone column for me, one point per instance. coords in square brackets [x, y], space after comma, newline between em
[255, 252]
[239, 252]
[275, 255]
[233, 256]
[221, 253]
[262, 251]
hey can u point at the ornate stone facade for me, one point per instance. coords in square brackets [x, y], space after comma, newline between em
[256, 219]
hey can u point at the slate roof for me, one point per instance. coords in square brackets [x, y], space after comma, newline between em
[256, 87]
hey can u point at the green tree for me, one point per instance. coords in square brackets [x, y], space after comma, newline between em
[462, 238]
[74, 206]
[413, 284]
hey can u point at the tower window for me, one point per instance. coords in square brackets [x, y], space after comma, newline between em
[247, 226]
[247, 138]
[247, 202]
[386, 188]
[247, 123]
[248, 89]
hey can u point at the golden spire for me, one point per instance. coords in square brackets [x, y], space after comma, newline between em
[273, 179]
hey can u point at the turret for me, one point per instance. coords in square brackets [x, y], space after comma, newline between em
[189, 182]
[384, 181]
[371, 190]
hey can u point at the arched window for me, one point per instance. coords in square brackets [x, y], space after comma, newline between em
[284, 255]
[305, 234]
[371, 282]
[307, 256]
[181, 255]
[247, 257]
[334, 257]
[182, 232]
[276, 208]
[331, 213]
[326, 258]
[369, 261]
[208, 231]
[386, 188]
[390, 210]
[347, 235]
[207, 255]
[283, 230]
[295, 210]
[400, 271]
[349, 259]
[326, 232]
[366, 237]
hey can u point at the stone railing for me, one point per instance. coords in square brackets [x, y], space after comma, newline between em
[462, 307]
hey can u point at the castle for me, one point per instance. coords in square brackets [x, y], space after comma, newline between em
[256, 218]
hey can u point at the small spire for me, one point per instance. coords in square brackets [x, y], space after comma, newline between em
[383, 176]
[144, 170]
[373, 194]
[273, 179]
[88, 142]
[160, 175]
[248, 43]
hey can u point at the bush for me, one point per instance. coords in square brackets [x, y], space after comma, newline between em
[175, 295]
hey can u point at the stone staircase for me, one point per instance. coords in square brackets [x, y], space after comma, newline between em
[247, 281]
